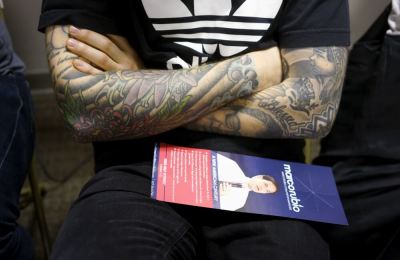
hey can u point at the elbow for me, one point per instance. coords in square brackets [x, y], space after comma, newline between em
[80, 134]
[73, 114]
[320, 123]
[79, 128]
[322, 131]
[78, 119]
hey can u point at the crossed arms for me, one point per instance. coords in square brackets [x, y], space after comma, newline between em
[239, 96]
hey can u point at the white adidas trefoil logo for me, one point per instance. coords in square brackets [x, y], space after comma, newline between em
[211, 27]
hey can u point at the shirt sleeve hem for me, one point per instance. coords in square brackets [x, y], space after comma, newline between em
[78, 18]
[315, 38]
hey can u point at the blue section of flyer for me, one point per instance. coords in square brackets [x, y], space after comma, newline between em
[303, 191]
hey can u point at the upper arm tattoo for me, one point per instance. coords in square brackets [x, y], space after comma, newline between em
[304, 105]
[131, 104]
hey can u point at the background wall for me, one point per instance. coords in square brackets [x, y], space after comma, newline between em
[22, 19]
[363, 13]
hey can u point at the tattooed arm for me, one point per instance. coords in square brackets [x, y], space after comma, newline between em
[304, 105]
[131, 104]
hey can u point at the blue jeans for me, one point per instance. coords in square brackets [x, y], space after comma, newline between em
[16, 147]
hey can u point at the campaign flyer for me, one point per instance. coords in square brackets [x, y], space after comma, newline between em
[235, 182]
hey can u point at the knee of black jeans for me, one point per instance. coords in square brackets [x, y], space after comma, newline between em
[185, 247]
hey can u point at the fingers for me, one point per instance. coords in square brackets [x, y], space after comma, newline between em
[122, 43]
[109, 52]
[85, 67]
[132, 59]
[91, 54]
[98, 41]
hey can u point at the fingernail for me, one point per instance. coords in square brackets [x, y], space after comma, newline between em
[73, 30]
[72, 43]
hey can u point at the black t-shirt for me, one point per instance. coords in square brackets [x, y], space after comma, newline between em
[170, 34]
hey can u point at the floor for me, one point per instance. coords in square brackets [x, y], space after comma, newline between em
[61, 165]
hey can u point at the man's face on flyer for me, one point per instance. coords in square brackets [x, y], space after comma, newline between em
[260, 185]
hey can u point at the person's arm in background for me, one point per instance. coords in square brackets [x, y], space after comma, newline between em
[304, 105]
[137, 103]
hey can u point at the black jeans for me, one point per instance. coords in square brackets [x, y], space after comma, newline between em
[114, 218]
[16, 146]
[370, 192]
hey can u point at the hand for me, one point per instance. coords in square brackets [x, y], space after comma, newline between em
[98, 53]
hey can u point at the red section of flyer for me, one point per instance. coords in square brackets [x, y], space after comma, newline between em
[184, 176]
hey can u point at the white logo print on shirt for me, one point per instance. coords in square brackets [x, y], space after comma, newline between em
[211, 27]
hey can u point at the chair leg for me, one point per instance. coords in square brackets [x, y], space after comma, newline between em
[39, 212]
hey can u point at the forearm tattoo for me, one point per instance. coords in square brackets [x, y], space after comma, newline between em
[304, 105]
[131, 104]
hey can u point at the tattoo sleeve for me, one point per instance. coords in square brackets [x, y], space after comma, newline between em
[132, 104]
[304, 105]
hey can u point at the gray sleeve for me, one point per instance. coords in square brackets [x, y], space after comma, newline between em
[10, 63]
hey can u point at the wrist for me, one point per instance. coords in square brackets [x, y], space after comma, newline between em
[269, 67]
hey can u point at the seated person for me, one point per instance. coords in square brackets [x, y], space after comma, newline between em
[205, 74]
[16, 148]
